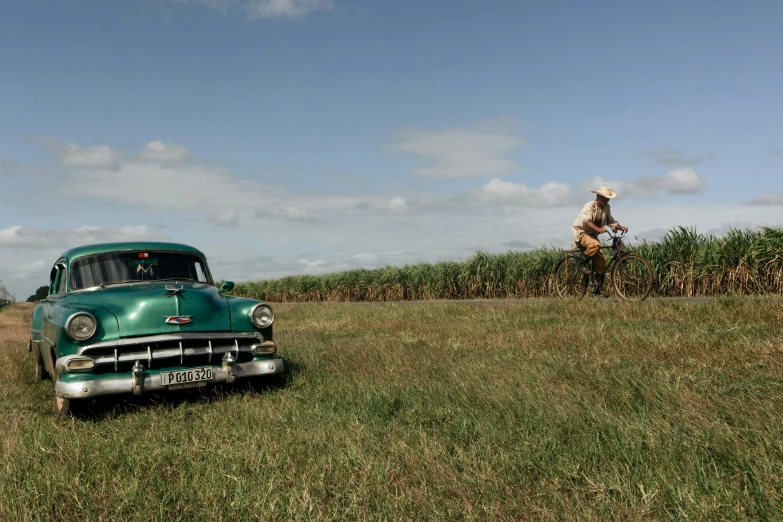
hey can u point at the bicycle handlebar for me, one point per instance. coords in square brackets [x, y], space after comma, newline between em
[621, 233]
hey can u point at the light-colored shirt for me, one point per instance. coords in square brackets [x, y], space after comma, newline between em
[601, 217]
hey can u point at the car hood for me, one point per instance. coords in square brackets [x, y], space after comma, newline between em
[142, 309]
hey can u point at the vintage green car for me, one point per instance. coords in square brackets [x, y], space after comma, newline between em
[138, 317]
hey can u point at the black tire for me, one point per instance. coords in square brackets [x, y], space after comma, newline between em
[569, 281]
[632, 278]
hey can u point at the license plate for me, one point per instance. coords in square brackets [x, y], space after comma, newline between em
[180, 377]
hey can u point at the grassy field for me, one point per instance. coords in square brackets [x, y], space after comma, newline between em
[595, 410]
[685, 264]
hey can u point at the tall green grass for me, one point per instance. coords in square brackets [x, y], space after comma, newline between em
[685, 263]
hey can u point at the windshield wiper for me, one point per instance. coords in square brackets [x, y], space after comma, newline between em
[176, 279]
[123, 282]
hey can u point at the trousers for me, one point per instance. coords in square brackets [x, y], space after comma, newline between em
[593, 250]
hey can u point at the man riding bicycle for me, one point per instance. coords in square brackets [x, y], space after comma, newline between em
[591, 221]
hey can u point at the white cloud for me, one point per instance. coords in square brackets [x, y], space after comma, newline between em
[381, 258]
[226, 220]
[316, 266]
[518, 245]
[95, 156]
[550, 194]
[37, 268]
[654, 234]
[679, 181]
[285, 8]
[382, 205]
[768, 199]
[461, 153]
[265, 8]
[8, 235]
[161, 178]
[291, 213]
[20, 236]
[166, 153]
[397, 204]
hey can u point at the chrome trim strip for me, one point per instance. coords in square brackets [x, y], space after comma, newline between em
[210, 351]
[181, 354]
[116, 359]
[236, 344]
[82, 389]
[47, 340]
[149, 357]
[170, 353]
[150, 339]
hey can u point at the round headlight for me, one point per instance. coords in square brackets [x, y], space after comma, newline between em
[80, 326]
[261, 315]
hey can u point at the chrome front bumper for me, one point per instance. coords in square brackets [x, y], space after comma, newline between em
[140, 381]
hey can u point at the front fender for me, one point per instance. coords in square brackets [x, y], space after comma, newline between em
[107, 328]
[240, 316]
[36, 322]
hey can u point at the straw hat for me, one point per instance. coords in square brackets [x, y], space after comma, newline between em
[605, 192]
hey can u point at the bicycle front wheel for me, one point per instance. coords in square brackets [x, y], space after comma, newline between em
[569, 281]
[632, 277]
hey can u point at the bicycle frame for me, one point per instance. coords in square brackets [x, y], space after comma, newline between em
[578, 252]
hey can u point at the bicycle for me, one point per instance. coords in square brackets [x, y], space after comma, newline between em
[630, 274]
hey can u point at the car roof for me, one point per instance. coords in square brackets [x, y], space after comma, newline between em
[101, 248]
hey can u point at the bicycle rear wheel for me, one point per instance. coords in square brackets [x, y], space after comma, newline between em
[569, 281]
[632, 277]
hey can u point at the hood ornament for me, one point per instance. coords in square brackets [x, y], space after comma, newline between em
[171, 291]
[178, 319]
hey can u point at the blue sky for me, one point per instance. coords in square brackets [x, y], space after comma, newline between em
[308, 136]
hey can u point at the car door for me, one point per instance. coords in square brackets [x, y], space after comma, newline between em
[51, 331]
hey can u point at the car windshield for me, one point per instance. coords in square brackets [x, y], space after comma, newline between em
[129, 267]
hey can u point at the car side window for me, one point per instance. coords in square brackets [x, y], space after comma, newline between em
[61, 277]
[200, 277]
[53, 280]
[57, 279]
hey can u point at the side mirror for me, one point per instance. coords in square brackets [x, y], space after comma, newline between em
[227, 286]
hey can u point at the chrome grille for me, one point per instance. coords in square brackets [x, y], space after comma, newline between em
[161, 351]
